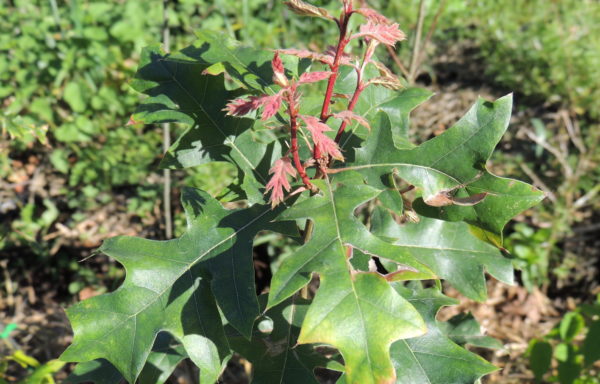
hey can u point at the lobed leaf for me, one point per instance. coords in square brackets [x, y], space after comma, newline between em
[361, 315]
[175, 286]
[449, 249]
[433, 358]
[178, 91]
[454, 160]
[274, 353]
[356, 312]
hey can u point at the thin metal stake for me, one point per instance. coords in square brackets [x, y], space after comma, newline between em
[167, 136]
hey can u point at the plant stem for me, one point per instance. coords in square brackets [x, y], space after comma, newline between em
[416, 47]
[398, 62]
[359, 88]
[167, 137]
[339, 52]
[430, 32]
[351, 105]
[308, 228]
[294, 147]
[342, 42]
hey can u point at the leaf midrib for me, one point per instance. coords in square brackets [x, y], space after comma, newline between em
[394, 165]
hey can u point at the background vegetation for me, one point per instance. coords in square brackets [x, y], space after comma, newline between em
[73, 172]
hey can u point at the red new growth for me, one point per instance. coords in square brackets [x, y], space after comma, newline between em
[327, 145]
[279, 76]
[377, 30]
[373, 15]
[388, 34]
[271, 105]
[241, 107]
[348, 116]
[279, 181]
[311, 77]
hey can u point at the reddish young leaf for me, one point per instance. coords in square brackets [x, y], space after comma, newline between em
[279, 181]
[384, 33]
[271, 105]
[325, 58]
[345, 59]
[304, 9]
[347, 6]
[279, 76]
[325, 143]
[348, 116]
[241, 107]
[311, 77]
[132, 121]
[374, 16]
[387, 78]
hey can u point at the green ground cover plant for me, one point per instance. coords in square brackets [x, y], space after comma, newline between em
[567, 354]
[334, 170]
[64, 78]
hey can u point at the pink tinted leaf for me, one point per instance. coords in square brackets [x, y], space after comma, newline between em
[312, 77]
[345, 59]
[271, 105]
[383, 33]
[373, 15]
[314, 125]
[325, 58]
[241, 107]
[132, 121]
[279, 181]
[301, 53]
[324, 142]
[301, 8]
[348, 116]
[329, 147]
[277, 64]
[279, 76]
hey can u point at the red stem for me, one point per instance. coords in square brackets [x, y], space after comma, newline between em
[294, 133]
[351, 105]
[359, 88]
[342, 42]
[334, 69]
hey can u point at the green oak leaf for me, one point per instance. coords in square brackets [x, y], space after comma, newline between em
[449, 249]
[357, 313]
[95, 371]
[162, 361]
[172, 286]
[273, 352]
[433, 358]
[396, 105]
[463, 329]
[454, 160]
[180, 92]
[392, 109]
[248, 66]
[336, 227]
[361, 315]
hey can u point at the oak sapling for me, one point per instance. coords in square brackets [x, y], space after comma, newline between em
[329, 171]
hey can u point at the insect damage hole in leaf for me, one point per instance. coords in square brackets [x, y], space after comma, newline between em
[305, 167]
